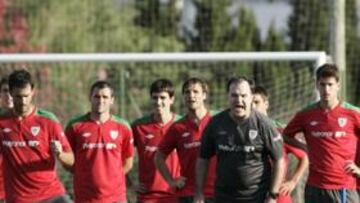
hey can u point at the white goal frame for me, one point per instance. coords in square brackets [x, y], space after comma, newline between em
[319, 57]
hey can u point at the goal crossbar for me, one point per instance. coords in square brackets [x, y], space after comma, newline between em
[319, 57]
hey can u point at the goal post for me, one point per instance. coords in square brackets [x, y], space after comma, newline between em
[64, 79]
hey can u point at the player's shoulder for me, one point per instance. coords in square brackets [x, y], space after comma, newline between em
[142, 120]
[77, 119]
[351, 107]
[121, 121]
[47, 115]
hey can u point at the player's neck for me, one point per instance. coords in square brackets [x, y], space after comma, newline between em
[197, 114]
[21, 115]
[163, 118]
[331, 104]
[100, 117]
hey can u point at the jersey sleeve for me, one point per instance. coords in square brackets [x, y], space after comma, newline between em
[208, 146]
[168, 143]
[357, 124]
[298, 153]
[70, 135]
[294, 126]
[128, 144]
[58, 134]
[135, 134]
[273, 140]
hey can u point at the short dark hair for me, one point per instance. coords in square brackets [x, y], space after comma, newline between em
[162, 85]
[194, 80]
[240, 79]
[259, 89]
[102, 84]
[20, 79]
[328, 70]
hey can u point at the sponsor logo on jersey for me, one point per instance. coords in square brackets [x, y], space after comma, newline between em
[99, 145]
[35, 130]
[253, 134]
[149, 136]
[324, 134]
[114, 134]
[185, 134]
[313, 123]
[86, 134]
[33, 143]
[342, 122]
[6, 130]
[190, 145]
[222, 132]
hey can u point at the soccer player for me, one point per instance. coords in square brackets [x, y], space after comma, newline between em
[6, 103]
[243, 140]
[184, 136]
[31, 139]
[103, 148]
[331, 128]
[261, 104]
[148, 132]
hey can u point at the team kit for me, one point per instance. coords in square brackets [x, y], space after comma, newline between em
[238, 154]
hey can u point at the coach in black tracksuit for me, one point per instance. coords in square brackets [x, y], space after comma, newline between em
[243, 141]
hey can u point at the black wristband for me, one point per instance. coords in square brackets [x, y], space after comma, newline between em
[273, 195]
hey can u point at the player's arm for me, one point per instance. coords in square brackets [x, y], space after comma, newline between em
[351, 167]
[274, 144]
[277, 176]
[160, 163]
[60, 147]
[303, 163]
[202, 166]
[66, 158]
[128, 164]
[207, 150]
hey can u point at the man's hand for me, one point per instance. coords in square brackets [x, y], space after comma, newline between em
[199, 198]
[287, 187]
[351, 167]
[56, 147]
[178, 183]
[139, 188]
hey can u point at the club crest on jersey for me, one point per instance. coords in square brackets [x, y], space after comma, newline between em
[114, 134]
[35, 130]
[342, 122]
[253, 134]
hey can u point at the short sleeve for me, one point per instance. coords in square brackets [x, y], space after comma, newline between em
[273, 140]
[294, 126]
[128, 143]
[297, 152]
[58, 134]
[70, 135]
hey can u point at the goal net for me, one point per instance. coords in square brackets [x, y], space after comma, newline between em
[63, 80]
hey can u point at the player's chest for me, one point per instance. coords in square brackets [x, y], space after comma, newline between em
[25, 135]
[189, 138]
[328, 125]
